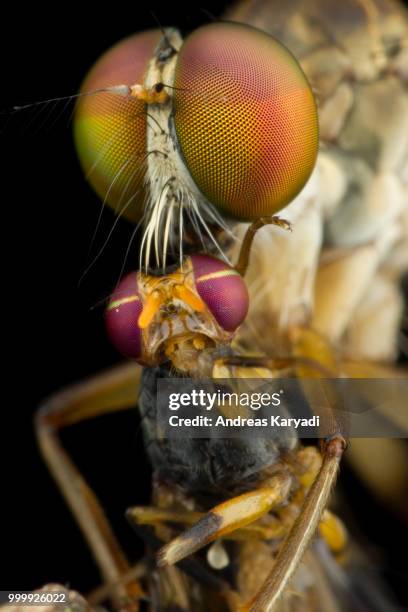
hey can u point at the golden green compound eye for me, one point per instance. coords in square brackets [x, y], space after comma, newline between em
[245, 118]
[110, 130]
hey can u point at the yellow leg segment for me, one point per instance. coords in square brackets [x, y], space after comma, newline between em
[226, 518]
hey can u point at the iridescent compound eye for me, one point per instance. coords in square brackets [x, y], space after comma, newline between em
[122, 315]
[110, 130]
[222, 289]
[245, 119]
[226, 117]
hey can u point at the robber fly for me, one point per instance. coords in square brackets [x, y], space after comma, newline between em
[199, 137]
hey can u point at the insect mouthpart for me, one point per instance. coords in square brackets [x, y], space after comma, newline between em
[194, 309]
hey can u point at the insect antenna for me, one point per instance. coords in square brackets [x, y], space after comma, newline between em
[46, 110]
[42, 105]
[115, 89]
[15, 111]
[61, 113]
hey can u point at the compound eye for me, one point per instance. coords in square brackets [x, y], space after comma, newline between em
[222, 289]
[245, 118]
[110, 130]
[121, 318]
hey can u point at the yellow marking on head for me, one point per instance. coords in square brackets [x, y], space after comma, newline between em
[189, 298]
[125, 300]
[154, 95]
[150, 308]
[219, 274]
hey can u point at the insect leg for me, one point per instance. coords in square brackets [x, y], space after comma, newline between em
[312, 358]
[149, 515]
[225, 518]
[112, 391]
[306, 466]
[302, 531]
[243, 258]
[268, 364]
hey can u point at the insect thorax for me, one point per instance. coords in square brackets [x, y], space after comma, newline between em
[208, 465]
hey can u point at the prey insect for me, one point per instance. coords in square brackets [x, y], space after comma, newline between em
[178, 316]
[185, 322]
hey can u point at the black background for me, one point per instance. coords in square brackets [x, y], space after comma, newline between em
[52, 328]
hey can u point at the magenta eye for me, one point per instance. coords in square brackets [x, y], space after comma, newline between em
[144, 311]
[122, 315]
[110, 130]
[245, 119]
[222, 289]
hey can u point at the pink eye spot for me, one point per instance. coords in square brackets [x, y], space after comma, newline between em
[122, 315]
[222, 289]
